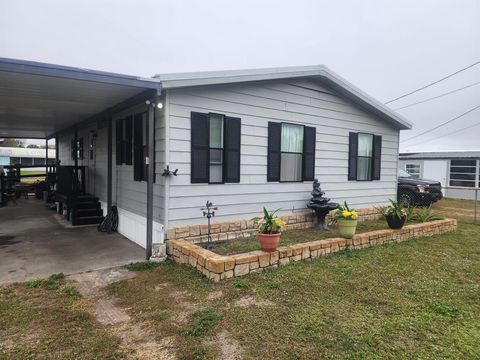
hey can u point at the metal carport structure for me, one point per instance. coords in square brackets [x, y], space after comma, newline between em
[39, 100]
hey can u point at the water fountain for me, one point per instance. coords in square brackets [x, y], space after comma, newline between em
[321, 205]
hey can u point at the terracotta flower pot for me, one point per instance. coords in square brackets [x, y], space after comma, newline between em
[269, 242]
[395, 222]
[347, 228]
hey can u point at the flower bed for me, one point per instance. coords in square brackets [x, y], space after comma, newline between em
[217, 267]
[290, 237]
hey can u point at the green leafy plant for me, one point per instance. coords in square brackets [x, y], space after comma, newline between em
[346, 212]
[395, 209]
[424, 215]
[269, 223]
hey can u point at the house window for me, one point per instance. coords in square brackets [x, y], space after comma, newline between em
[140, 148]
[463, 173]
[215, 148]
[291, 152]
[77, 149]
[413, 170]
[364, 158]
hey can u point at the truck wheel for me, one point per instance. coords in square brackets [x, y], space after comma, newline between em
[406, 198]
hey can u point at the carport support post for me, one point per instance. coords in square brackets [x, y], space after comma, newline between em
[109, 170]
[46, 157]
[150, 176]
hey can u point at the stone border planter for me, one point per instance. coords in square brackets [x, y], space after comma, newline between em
[217, 267]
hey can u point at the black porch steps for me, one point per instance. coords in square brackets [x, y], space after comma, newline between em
[86, 210]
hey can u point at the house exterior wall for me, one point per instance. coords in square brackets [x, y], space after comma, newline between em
[128, 195]
[304, 102]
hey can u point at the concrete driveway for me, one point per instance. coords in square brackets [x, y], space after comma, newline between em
[37, 242]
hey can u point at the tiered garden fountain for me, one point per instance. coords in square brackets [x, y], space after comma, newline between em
[321, 205]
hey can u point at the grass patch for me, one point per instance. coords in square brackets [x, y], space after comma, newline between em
[239, 283]
[52, 282]
[441, 308]
[204, 322]
[143, 266]
[48, 319]
[417, 299]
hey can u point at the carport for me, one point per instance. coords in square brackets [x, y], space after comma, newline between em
[39, 100]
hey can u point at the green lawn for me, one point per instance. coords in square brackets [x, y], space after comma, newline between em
[418, 299]
[48, 319]
[292, 237]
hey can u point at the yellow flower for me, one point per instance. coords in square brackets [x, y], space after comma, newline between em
[354, 215]
[279, 222]
[346, 213]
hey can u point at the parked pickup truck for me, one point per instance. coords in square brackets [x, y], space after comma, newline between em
[417, 192]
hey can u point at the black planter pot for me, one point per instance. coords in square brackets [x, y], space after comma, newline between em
[395, 222]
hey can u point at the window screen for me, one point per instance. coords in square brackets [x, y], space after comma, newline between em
[365, 157]
[291, 152]
[463, 173]
[216, 148]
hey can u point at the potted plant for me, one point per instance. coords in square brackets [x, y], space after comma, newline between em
[347, 219]
[395, 214]
[269, 230]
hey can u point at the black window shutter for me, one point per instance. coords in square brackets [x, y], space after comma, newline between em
[231, 150]
[273, 159]
[199, 148]
[352, 156]
[309, 139]
[128, 140]
[138, 147]
[118, 144]
[377, 156]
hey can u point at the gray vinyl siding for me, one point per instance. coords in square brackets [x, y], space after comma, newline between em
[302, 102]
[127, 194]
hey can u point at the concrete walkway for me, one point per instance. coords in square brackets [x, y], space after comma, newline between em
[36, 242]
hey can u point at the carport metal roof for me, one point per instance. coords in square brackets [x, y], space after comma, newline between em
[37, 99]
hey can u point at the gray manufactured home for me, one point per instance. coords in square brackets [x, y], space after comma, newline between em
[241, 139]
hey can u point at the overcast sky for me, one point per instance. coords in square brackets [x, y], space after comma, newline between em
[386, 48]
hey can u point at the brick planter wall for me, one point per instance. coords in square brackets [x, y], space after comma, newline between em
[217, 267]
[230, 230]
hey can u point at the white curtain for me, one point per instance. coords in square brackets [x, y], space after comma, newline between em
[216, 131]
[365, 154]
[292, 138]
[292, 150]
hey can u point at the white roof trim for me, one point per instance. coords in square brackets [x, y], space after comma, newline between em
[321, 72]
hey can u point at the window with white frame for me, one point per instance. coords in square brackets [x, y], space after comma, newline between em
[413, 170]
[463, 173]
